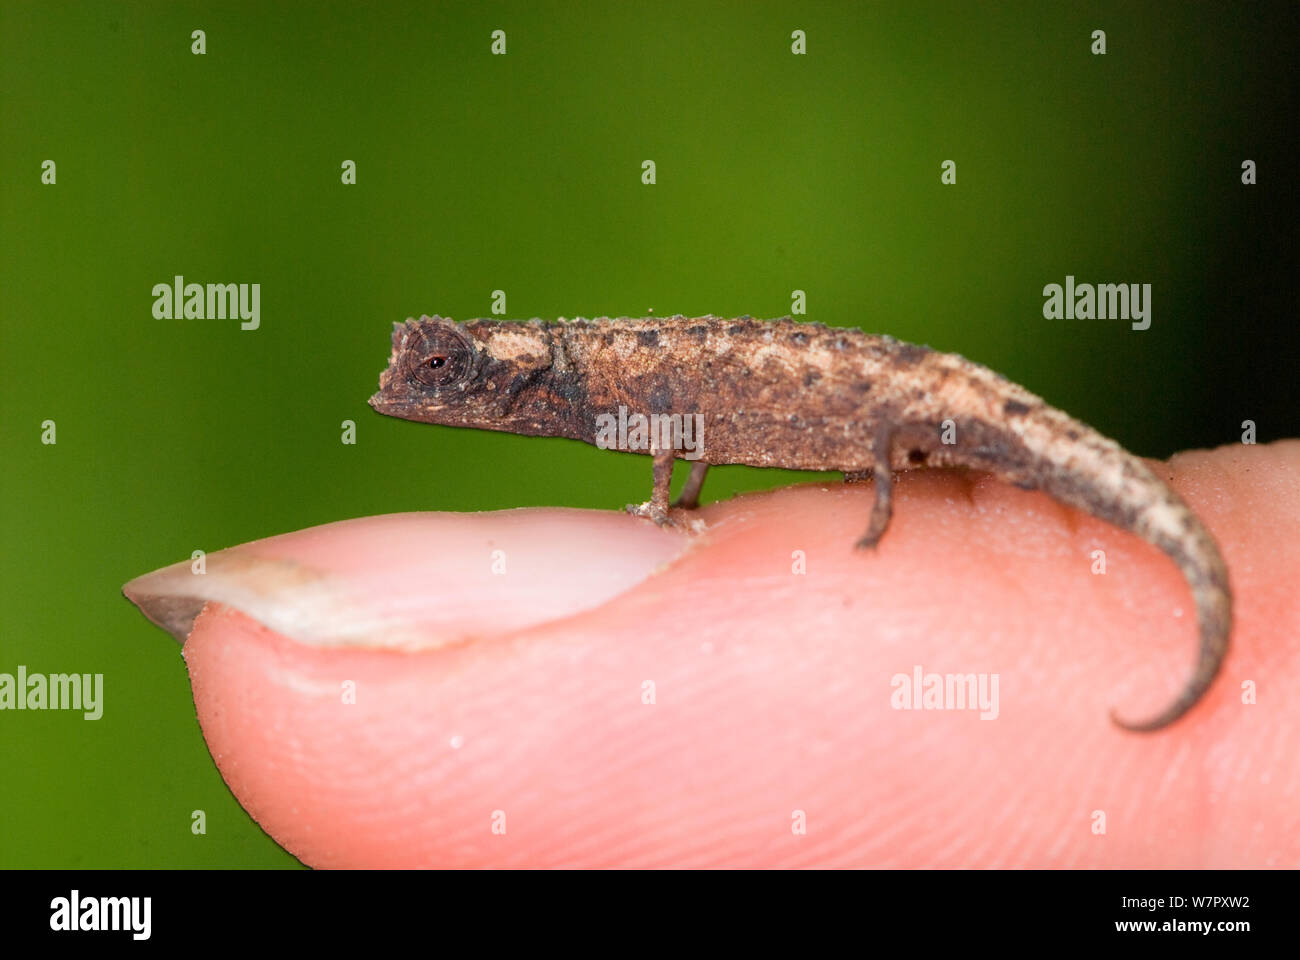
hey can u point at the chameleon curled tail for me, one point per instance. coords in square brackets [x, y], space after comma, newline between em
[1003, 429]
[1166, 522]
[1019, 438]
[1079, 467]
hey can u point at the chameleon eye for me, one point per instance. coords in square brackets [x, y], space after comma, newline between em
[438, 357]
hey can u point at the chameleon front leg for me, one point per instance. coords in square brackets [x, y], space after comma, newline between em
[883, 507]
[689, 498]
[656, 508]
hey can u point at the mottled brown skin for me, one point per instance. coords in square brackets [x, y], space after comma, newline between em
[801, 396]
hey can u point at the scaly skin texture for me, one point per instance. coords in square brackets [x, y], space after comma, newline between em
[801, 396]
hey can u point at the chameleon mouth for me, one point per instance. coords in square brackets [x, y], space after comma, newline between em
[387, 405]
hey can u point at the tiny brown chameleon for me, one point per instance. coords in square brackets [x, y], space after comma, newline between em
[801, 396]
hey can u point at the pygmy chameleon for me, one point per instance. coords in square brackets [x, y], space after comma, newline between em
[801, 396]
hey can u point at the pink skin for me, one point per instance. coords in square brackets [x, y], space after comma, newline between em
[772, 690]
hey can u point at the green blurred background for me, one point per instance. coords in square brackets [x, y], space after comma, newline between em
[522, 172]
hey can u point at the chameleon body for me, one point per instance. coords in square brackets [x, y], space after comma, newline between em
[800, 396]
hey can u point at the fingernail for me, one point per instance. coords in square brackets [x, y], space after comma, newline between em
[415, 581]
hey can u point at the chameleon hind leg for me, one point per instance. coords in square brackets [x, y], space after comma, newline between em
[883, 506]
[689, 498]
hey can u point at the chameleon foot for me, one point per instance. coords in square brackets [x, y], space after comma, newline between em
[649, 511]
[675, 517]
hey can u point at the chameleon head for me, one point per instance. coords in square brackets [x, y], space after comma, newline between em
[462, 375]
